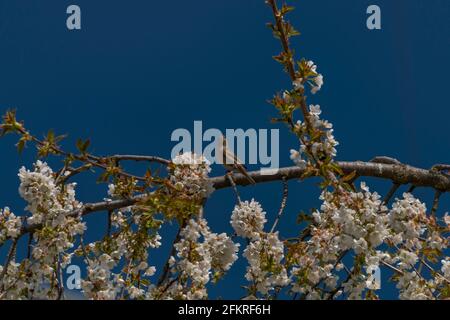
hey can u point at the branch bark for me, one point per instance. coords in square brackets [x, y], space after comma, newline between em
[139, 158]
[94, 207]
[398, 173]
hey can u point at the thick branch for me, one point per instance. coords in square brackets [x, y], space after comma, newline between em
[397, 173]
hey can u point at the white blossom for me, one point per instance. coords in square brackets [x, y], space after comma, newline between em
[411, 287]
[248, 219]
[190, 175]
[10, 225]
[406, 218]
[52, 205]
[298, 83]
[318, 83]
[265, 254]
[222, 249]
[296, 157]
[200, 254]
[322, 146]
[407, 259]
[446, 268]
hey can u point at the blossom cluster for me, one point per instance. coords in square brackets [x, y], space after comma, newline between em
[360, 222]
[53, 208]
[357, 221]
[10, 225]
[190, 175]
[248, 219]
[100, 283]
[315, 134]
[309, 75]
[47, 202]
[322, 145]
[105, 281]
[360, 216]
[407, 220]
[413, 232]
[266, 269]
[264, 253]
[201, 256]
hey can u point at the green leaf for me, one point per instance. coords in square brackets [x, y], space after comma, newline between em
[303, 217]
[83, 145]
[336, 168]
[286, 9]
[349, 177]
[51, 136]
[20, 145]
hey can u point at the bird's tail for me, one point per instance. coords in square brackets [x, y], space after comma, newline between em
[250, 179]
[245, 173]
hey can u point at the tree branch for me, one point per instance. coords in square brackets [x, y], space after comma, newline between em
[390, 193]
[94, 207]
[140, 158]
[283, 204]
[397, 173]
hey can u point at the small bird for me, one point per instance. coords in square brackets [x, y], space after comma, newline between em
[230, 161]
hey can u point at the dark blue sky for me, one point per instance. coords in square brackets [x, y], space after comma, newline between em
[140, 69]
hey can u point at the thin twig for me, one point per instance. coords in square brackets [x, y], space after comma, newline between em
[140, 158]
[109, 226]
[30, 242]
[83, 249]
[392, 267]
[60, 281]
[71, 172]
[437, 195]
[434, 271]
[11, 254]
[89, 159]
[283, 204]
[122, 292]
[411, 189]
[229, 176]
[290, 66]
[441, 167]
[391, 193]
[166, 267]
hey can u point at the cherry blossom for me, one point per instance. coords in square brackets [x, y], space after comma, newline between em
[248, 219]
